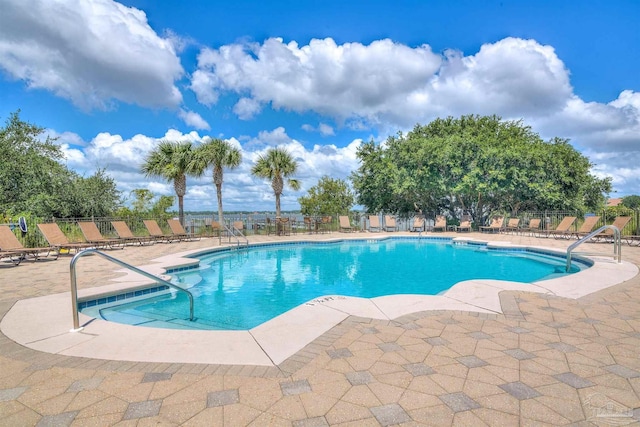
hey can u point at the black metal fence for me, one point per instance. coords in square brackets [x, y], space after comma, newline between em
[256, 223]
[549, 220]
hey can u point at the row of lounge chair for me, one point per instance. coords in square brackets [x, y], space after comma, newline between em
[565, 229]
[12, 249]
[374, 223]
[419, 224]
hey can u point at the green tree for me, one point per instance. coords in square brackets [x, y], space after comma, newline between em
[172, 161]
[142, 200]
[30, 172]
[143, 205]
[475, 164]
[218, 154]
[96, 196]
[33, 179]
[161, 206]
[328, 197]
[631, 202]
[276, 165]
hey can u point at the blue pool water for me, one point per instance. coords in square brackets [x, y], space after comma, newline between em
[242, 289]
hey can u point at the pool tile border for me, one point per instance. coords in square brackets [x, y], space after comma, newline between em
[120, 297]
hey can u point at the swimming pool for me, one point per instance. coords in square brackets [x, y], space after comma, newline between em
[238, 290]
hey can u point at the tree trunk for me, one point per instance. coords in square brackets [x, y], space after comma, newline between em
[277, 184]
[180, 186]
[219, 194]
[181, 209]
[479, 212]
[217, 180]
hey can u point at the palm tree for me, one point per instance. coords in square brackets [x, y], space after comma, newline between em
[172, 161]
[277, 164]
[219, 154]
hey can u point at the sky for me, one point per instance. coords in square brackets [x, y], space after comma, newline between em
[111, 79]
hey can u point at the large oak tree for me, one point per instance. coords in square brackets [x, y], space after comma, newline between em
[476, 164]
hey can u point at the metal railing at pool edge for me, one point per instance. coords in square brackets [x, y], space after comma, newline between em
[236, 234]
[74, 284]
[617, 243]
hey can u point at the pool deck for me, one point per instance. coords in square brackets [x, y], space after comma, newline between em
[560, 352]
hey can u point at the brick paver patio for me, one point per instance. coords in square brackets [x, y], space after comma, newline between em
[546, 361]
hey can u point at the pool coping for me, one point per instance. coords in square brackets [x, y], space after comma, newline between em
[275, 341]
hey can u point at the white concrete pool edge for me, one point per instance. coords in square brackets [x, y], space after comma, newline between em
[44, 323]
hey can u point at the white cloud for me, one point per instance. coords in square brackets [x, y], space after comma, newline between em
[193, 119]
[628, 99]
[623, 167]
[340, 81]
[247, 108]
[512, 77]
[90, 52]
[388, 87]
[597, 128]
[326, 130]
[323, 128]
[385, 83]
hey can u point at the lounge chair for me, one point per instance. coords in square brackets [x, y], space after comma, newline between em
[216, 229]
[10, 247]
[586, 227]
[464, 226]
[632, 240]
[374, 223]
[268, 225]
[156, 232]
[57, 239]
[283, 226]
[620, 223]
[12, 256]
[345, 224]
[239, 225]
[92, 235]
[309, 224]
[418, 224]
[325, 224]
[441, 223]
[512, 225]
[562, 230]
[390, 223]
[533, 227]
[124, 232]
[178, 230]
[494, 226]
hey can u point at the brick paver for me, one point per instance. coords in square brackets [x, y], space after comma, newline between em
[546, 361]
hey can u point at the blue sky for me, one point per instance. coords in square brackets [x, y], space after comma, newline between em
[111, 79]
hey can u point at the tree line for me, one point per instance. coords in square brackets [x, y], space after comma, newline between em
[473, 164]
[33, 179]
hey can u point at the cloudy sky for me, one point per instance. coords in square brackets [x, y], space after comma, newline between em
[111, 79]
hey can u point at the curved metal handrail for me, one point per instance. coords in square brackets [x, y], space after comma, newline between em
[74, 285]
[617, 243]
[236, 234]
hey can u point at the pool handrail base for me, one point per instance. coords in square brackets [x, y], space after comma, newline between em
[74, 282]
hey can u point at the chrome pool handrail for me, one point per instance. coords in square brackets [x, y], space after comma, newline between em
[617, 243]
[74, 285]
[236, 234]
